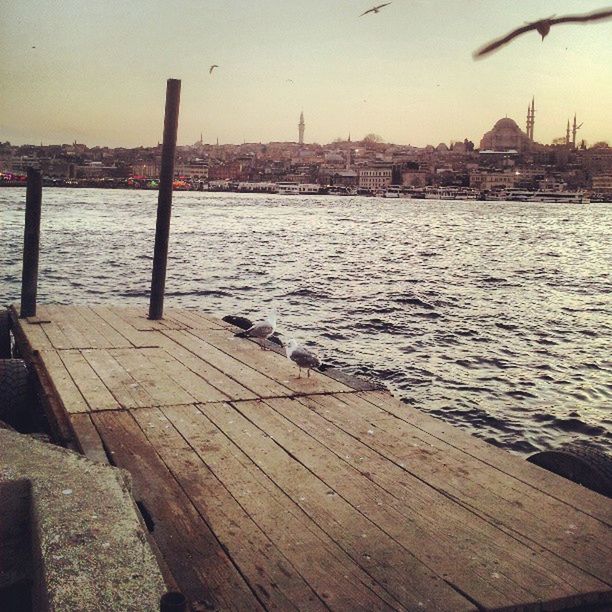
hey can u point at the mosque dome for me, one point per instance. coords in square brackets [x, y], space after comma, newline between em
[506, 124]
[505, 136]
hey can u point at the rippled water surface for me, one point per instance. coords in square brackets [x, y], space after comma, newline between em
[493, 316]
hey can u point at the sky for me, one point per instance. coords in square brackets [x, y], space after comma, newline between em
[96, 71]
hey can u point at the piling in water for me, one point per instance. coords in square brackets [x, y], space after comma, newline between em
[31, 244]
[164, 202]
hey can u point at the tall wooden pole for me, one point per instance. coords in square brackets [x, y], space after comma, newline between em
[164, 201]
[31, 244]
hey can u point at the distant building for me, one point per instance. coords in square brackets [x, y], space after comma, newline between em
[488, 181]
[414, 178]
[602, 183]
[374, 178]
[505, 136]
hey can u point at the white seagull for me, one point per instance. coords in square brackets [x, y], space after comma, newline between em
[302, 357]
[262, 329]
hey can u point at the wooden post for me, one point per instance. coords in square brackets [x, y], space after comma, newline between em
[164, 201]
[31, 244]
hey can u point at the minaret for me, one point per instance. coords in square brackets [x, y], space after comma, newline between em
[301, 126]
[567, 134]
[575, 128]
[530, 119]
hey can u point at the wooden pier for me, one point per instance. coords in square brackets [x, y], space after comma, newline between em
[265, 491]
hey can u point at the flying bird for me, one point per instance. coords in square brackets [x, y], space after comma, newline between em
[302, 357]
[212, 68]
[543, 28]
[262, 329]
[374, 9]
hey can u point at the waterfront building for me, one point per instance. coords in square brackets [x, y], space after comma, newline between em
[375, 178]
[602, 183]
[488, 181]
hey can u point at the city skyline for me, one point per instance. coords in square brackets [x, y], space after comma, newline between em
[96, 73]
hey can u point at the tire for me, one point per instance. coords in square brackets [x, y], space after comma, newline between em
[5, 335]
[580, 463]
[15, 392]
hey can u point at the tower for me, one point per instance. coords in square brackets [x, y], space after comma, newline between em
[301, 126]
[530, 118]
[567, 134]
[575, 128]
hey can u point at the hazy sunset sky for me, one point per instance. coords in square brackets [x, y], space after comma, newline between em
[98, 71]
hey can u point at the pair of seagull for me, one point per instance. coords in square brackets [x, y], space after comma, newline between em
[301, 356]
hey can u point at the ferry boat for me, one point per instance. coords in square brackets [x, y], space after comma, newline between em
[393, 191]
[288, 188]
[308, 188]
[568, 197]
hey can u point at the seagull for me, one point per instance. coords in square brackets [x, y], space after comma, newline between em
[302, 357]
[262, 329]
[374, 9]
[543, 27]
[212, 68]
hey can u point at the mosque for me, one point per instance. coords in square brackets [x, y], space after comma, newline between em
[506, 135]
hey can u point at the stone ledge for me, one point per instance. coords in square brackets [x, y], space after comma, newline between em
[89, 551]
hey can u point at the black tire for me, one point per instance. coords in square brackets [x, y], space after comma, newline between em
[15, 392]
[580, 463]
[5, 335]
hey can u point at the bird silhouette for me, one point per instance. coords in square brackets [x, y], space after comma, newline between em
[543, 28]
[374, 9]
[212, 68]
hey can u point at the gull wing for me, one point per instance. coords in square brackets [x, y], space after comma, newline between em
[505, 40]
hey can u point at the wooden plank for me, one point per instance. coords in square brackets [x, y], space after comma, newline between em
[391, 565]
[160, 387]
[270, 574]
[136, 338]
[508, 503]
[251, 379]
[128, 392]
[138, 319]
[202, 569]
[112, 336]
[88, 439]
[36, 336]
[335, 577]
[216, 378]
[270, 363]
[81, 319]
[194, 384]
[491, 567]
[63, 317]
[97, 396]
[70, 395]
[194, 319]
[56, 336]
[564, 490]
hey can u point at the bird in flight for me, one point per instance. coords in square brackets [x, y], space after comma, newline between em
[212, 68]
[374, 9]
[543, 28]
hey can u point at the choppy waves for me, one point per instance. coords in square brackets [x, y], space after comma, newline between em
[493, 316]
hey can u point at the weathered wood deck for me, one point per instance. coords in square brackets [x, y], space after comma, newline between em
[267, 491]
